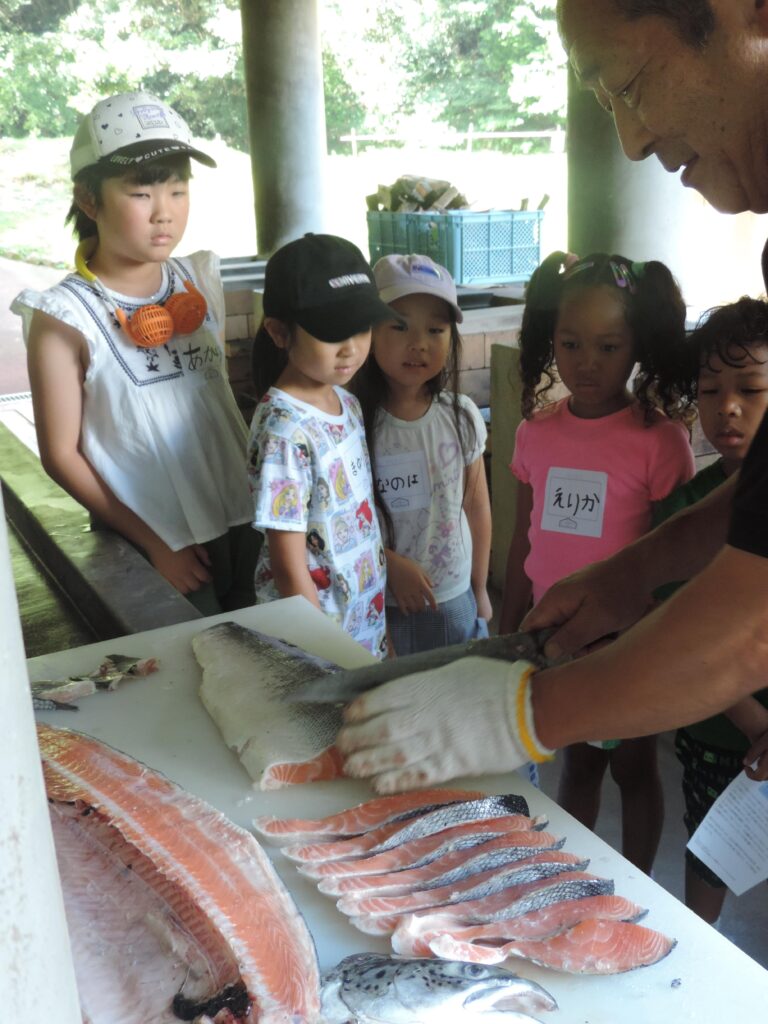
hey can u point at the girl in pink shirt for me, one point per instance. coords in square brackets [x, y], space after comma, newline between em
[589, 467]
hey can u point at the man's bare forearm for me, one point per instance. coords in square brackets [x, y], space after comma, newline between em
[694, 656]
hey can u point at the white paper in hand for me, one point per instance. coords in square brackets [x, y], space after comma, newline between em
[732, 839]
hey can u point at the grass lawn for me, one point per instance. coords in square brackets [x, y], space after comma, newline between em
[35, 192]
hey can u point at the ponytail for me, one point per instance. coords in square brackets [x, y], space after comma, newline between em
[537, 356]
[267, 361]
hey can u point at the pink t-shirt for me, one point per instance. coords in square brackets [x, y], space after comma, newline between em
[593, 483]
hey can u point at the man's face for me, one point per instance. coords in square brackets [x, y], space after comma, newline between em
[702, 111]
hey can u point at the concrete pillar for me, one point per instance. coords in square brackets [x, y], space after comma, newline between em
[286, 116]
[37, 979]
[643, 212]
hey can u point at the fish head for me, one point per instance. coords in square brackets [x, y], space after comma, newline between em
[463, 988]
[471, 989]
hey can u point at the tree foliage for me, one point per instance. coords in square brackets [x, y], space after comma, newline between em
[387, 64]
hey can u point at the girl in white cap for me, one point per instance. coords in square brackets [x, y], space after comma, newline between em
[427, 442]
[134, 414]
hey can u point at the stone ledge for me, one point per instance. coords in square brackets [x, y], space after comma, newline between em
[106, 580]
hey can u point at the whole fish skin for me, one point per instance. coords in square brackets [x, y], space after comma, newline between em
[372, 989]
[247, 677]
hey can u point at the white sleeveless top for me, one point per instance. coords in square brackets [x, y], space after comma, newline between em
[160, 426]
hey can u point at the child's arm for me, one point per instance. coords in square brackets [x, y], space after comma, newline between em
[288, 558]
[410, 586]
[56, 373]
[517, 586]
[477, 508]
[751, 718]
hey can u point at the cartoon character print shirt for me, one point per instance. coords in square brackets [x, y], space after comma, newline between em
[420, 477]
[310, 472]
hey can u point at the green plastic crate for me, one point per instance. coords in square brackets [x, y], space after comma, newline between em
[476, 248]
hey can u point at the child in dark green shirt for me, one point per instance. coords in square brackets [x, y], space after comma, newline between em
[729, 380]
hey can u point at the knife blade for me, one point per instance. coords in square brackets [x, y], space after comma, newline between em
[342, 687]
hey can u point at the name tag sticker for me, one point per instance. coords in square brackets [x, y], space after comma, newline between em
[403, 481]
[574, 501]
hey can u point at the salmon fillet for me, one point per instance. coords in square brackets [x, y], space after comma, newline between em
[590, 947]
[424, 850]
[413, 935]
[362, 818]
[226, 901]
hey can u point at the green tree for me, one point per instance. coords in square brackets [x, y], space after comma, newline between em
[488, 63]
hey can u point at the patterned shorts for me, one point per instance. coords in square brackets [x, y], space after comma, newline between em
[707, 771]
[453, 622]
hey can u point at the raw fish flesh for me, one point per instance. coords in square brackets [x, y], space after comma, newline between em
[58, 694]
[540, 865]
[368, 988]
[590, 947]
[169, 903]
[247, 677]
[418, 852]
[508, 848]
[544, 912]
[366, 816]
[483, 908]
[387, 837]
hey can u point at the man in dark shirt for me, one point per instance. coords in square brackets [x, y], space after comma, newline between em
[687, 83]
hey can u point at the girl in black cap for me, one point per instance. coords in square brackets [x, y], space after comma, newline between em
[309, 467]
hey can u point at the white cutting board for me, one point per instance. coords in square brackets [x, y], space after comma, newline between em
[161, 721]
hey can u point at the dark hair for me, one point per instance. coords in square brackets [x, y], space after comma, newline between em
[370, 387]
[655, 314]
[730, 333]
[91, 179]
[693, 19]
[267, 360]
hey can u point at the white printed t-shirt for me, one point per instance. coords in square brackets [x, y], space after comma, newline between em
[420, 477]
[310, 473]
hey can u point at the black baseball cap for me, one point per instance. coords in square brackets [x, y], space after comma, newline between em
[325, 285]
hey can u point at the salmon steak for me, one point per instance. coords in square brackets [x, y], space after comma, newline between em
[593, 946]
[248, 679]
[418, 852]
[363, 818]
[173, 911]
[534, 918]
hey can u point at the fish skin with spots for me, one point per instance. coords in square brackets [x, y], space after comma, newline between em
[370, 988]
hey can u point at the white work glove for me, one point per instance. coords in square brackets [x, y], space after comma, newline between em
[472, 717]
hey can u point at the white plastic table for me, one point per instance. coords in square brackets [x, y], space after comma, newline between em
[161, 721]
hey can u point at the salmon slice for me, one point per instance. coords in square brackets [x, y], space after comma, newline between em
[362, 818]
[248, 678]
[483, 908]
[590, 947]
[542, 912]
[538, 924]
[539, 865]
[217, 867]
[326, 766]
[378, 840]
[417, 852]
[504, 849]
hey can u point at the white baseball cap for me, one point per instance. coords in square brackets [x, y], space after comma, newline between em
[128, 129]
[397, 276]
